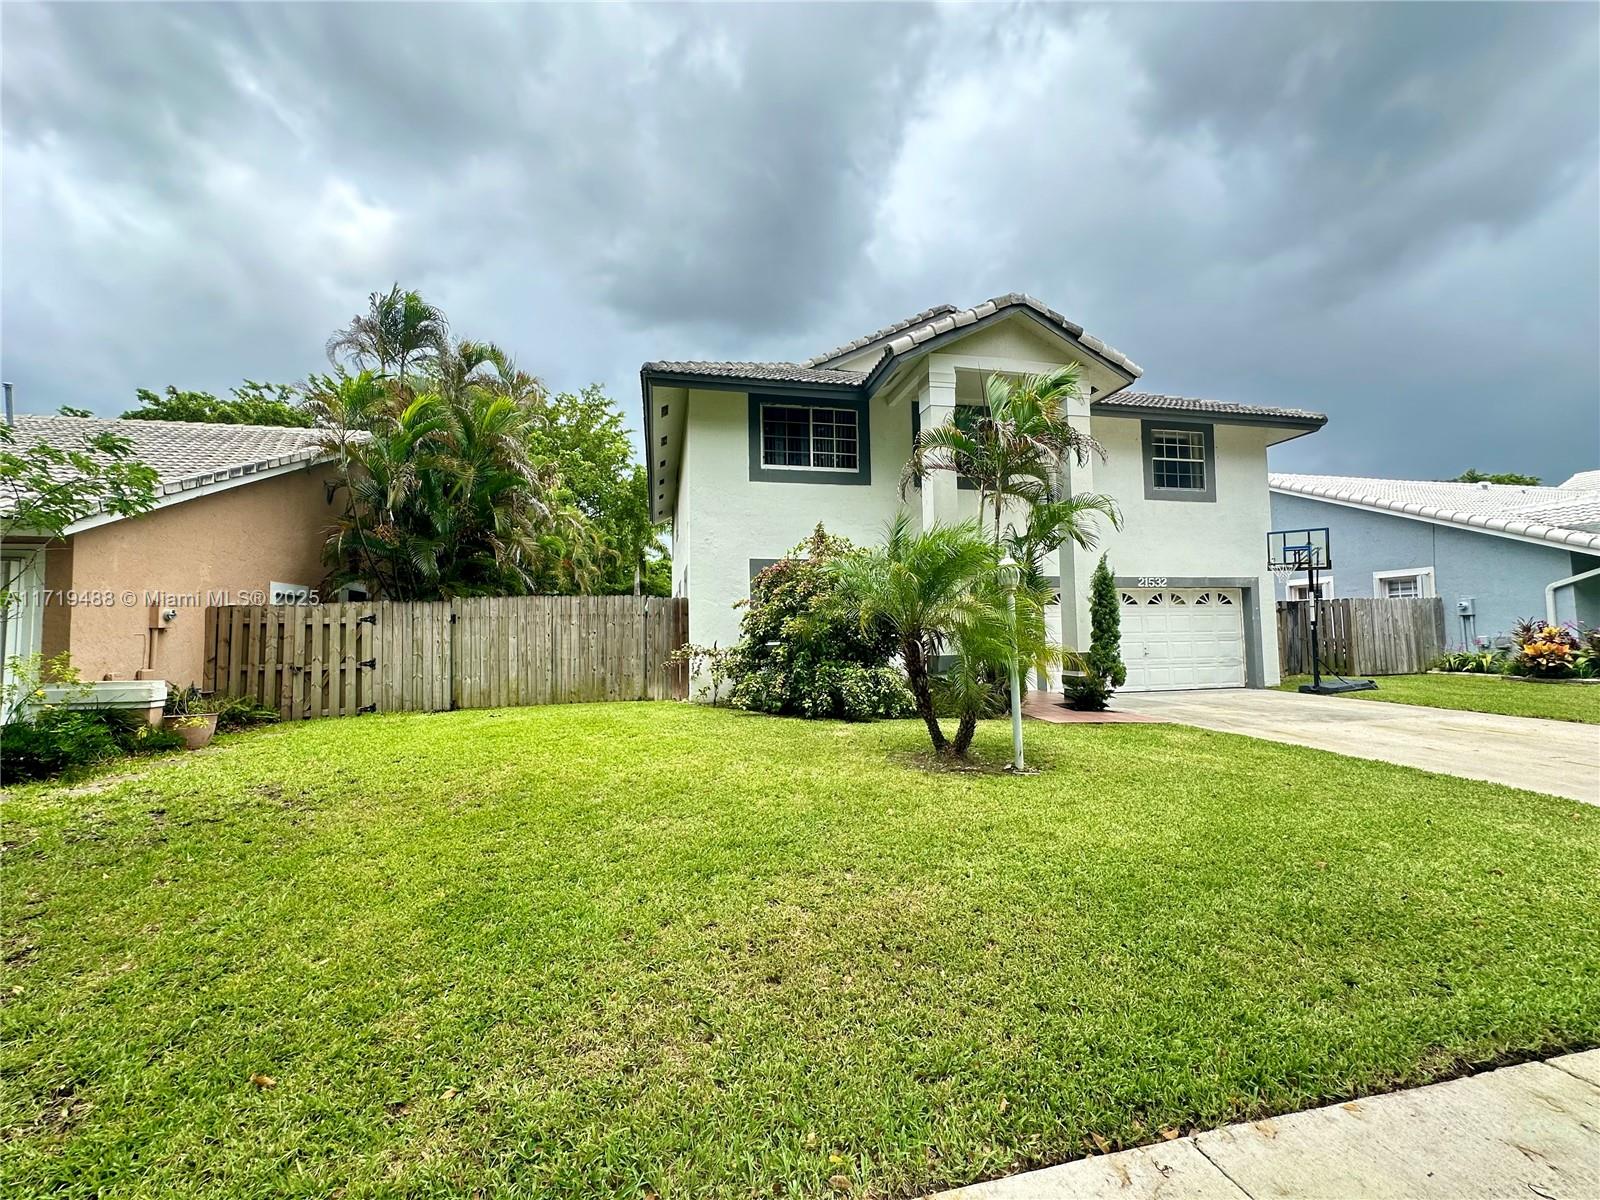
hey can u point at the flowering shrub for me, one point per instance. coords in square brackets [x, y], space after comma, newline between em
[802, 652]
[1545, 651]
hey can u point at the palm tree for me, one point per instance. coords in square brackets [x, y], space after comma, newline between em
[937, 592]
[1053, 523]
[1014, 448]
[398, 328]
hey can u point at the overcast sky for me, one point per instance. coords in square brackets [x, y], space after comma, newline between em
[1386, 213]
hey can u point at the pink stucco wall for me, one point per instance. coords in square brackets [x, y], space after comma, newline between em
[234, 541]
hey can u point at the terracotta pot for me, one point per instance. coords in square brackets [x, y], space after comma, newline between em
[195, 730]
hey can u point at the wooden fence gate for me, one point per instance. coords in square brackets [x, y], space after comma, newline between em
[1362, 637]
[335, 660]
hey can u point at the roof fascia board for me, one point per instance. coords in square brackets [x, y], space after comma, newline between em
[1112, 409]
[1531, 539]
[180, 494]
[734, 383]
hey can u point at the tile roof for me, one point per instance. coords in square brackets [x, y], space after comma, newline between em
[1583, 479]
[779, 372]
[1219, 408]
[912, 337]
[861, 343]
[184, 454]
[1563, 516]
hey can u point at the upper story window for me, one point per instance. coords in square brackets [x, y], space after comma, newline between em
[798, 439]
[821, 439]
[1180, 461]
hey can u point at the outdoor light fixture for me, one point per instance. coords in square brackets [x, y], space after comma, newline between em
[1009, 575]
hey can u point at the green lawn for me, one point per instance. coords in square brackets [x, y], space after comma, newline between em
[1482, 693]
[634, 949]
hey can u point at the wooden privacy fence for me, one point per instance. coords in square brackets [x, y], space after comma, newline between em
[334, 660]
[1362, 637]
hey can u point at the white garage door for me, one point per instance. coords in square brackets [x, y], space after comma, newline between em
[1175, 638]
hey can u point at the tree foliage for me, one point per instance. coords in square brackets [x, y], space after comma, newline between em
[251, 403]
[1472, 475]
[804, 652]
[1013, 449]
[936, 592]
[583, 435]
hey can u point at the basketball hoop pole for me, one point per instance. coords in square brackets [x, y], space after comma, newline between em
[1314, 599]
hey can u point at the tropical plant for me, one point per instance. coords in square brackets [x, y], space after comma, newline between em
[936, 593]
[1013, 448]
[1102, 669]
[251, 403]
[1586, 662]
[712, 660]
[443, 498]
[803, 652]
[1544, 650]
[1052, 523]
[399, 330]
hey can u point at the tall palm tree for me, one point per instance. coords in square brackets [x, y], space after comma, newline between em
[936, 591]
[1052, 523]
[398, 329]
[1014, 448]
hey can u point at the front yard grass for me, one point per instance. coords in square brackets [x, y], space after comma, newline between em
[1482, 693]
[658, 949]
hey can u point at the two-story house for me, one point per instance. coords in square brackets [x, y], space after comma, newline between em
[745, 458]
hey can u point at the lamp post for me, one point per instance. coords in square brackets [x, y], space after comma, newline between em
[1010, 576]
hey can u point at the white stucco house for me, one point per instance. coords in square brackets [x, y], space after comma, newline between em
[745, 458]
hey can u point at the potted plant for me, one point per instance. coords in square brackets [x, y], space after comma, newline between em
[191, 716]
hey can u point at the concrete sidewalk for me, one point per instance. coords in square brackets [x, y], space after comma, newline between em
[1528, 1132]
[1561, 758]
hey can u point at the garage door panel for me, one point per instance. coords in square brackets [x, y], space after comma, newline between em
[1175, 638]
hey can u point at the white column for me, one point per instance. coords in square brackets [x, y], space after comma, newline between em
[936, 404]
[1076, 564]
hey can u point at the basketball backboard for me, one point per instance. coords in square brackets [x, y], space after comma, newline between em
[1298, 550]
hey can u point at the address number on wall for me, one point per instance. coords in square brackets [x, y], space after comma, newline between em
[1152, 581]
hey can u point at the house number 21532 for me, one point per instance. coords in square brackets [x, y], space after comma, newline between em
[1152, 581]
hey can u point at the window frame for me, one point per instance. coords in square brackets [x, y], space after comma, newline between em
[1296, 589]
[1423, 575]
[1148, 429]
[763, 472]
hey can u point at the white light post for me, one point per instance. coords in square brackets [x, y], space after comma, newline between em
[1010, 576]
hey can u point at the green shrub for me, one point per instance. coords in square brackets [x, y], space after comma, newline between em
[1101, 670]
[803, 653]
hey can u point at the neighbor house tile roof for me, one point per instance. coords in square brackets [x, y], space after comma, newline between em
[1562, 516]
[1219, 408]
[185, 455]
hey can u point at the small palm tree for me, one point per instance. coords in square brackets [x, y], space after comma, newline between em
[1053, 523]
[1014, 448]
[936, 592]
[398, 329]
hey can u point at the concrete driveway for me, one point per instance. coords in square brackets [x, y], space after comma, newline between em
[1561, 758]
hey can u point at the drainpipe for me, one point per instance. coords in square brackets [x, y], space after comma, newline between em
[1553, 587]
[11, 408]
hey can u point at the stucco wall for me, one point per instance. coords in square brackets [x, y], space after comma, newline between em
[1505, 578]
[1225, 539]
[731, 519]
[234, 541]
[725, 519]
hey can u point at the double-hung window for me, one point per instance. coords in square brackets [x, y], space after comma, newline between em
[1178, 460]
[810, 438]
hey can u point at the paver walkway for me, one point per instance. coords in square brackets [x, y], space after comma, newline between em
[1561, 758]
[1527, 1132]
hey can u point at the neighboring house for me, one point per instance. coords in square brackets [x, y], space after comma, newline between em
[1495, 553]
[746, 458]
[241, 515]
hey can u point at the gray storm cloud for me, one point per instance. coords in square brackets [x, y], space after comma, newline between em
[1386, 212]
